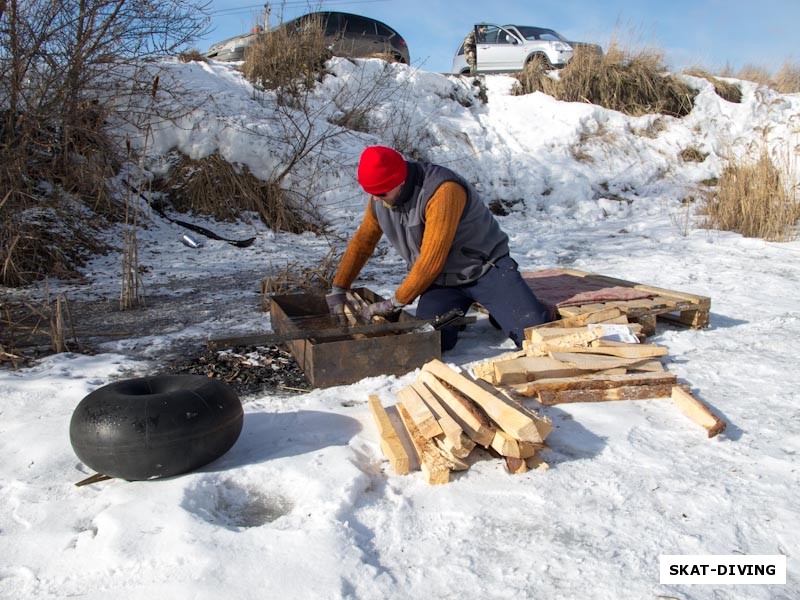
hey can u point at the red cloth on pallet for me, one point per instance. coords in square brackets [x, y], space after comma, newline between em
[555, 289]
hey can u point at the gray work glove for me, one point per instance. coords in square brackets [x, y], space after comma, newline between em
[383, 308]
[336, 301]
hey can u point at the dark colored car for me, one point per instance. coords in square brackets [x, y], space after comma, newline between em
[346, 34]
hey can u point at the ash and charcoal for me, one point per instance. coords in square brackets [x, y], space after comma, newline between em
[249, 369]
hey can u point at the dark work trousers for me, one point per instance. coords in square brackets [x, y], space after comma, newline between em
[501, 291]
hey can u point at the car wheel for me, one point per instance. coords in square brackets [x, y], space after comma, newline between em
[538, 60]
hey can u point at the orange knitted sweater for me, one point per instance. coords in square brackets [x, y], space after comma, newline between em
[442, 215]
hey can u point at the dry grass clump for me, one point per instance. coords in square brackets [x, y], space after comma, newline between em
[634, 83]
[787, 79]
[754, 199]
[192, 55]
[692, 154]
[756, 74]
[724, 89]
[288, 58]
[213, 186]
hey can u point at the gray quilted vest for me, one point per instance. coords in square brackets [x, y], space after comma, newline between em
[478, 243]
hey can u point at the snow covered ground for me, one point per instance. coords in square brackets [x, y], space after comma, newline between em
[304, 505]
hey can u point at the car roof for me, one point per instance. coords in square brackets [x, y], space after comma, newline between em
[531, 27]
[233, 39]
[341, 14]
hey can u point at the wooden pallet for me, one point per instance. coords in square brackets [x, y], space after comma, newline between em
[668, 305]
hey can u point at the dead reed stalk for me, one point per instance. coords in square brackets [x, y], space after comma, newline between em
[295, 278]
[756, 199]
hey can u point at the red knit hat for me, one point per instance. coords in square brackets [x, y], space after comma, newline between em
[381, 169]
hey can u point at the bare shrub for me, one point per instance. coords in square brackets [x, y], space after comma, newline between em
[288, 58]
[724, 89]
[634, 83]
[753, 198]
[294, 278]
[32, 327]
[212, 186]
[756, 74]
[59, 63]
[787, 79]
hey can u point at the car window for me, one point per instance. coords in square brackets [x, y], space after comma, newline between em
[549, 37]
[332, 24]
[359, 26]
[538, 33]
[384, 31]
[491, 35]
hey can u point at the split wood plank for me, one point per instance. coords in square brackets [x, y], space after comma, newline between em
[625, 350]
[446, 445]
[504, 444]
[621, 320]
[594, 362]
[535, 463]
[455, 463]
[697, 411]
[648, 366]
[472, 420]
[516, 466]
[485, 370]
[588, 318]
[566, 335]
[614, 371]
[422, 416]
[625, 392]
[508, 418]
[361, 304]
[593, 382]
[432, 463]
[528, 449]
[528, 368]
[543, 425]
[390, 441]
[458, 443]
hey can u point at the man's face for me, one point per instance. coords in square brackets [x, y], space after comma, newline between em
[390, 197]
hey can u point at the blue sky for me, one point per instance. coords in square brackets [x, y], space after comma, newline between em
[709, 33]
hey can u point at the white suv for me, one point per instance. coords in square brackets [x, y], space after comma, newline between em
[506, 48]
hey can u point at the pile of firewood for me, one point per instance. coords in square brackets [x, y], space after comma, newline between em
[573, 360]
[445, 414]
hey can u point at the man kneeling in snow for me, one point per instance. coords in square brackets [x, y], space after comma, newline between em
[454, 247]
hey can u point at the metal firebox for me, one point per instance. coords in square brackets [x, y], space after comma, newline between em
[348, 358]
